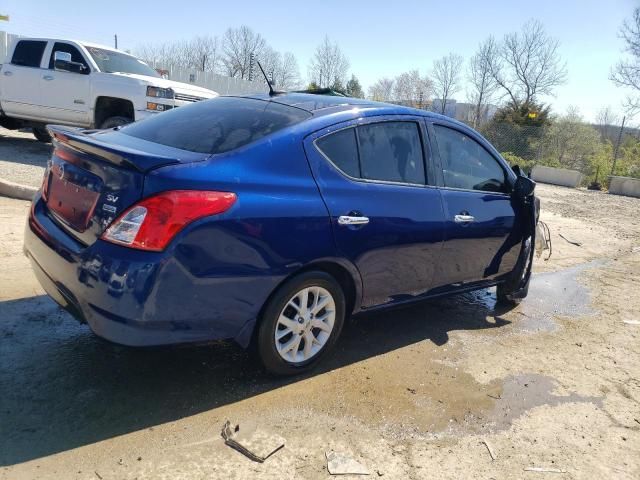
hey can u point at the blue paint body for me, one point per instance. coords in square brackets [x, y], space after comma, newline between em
[216, 275]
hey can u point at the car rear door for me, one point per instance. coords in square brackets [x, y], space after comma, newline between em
[386, 219]
[21, 80]
[65, 95]
[482, 232]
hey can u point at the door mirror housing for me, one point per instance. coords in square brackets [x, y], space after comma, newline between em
[523, 187]
[62, 63]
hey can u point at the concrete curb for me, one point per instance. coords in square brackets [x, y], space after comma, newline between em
[15, 190]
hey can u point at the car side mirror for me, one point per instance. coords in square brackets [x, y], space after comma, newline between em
[523, 187]
[62, 63]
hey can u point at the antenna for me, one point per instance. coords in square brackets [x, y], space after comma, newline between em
[272, 92]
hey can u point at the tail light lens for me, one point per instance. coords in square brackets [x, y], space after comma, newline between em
[153, 222]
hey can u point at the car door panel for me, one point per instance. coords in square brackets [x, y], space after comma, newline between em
[65, 95]
[21, 96]
[482, 233]
[397, 249]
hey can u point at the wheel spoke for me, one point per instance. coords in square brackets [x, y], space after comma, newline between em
[308, 344]
[319, 305]
[321, 325]
[304, 301]
[291, 346]
[287, 322]
[280, 334]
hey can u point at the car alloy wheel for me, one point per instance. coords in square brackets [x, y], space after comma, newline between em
[300, 323]
[305, 324]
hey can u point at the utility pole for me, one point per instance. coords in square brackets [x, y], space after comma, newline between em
[615, 152]
[251, 62]
[115, 38]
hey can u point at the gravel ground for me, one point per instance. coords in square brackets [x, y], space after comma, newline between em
[22, 158]
[413, 393]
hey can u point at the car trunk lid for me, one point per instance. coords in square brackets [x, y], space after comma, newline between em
[93, 176]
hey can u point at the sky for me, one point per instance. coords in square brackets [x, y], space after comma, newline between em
[380, 38]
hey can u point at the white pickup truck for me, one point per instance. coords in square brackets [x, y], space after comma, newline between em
[82, 84]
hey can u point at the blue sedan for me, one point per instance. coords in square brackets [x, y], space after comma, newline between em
[269, 219]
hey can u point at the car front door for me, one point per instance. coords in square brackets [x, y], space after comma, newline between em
[386, 219]
[21, 80]
[483, 234]
[65, 95]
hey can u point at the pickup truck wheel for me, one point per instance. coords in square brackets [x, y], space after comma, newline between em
[41, 134]
[301, 323]
[112, 122]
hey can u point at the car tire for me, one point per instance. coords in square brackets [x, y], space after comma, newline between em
[41, 134]
[286, 325]
[112, 122]
[504, 291]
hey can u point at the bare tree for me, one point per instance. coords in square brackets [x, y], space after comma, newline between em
[446, 78]
[238, 45]
[282, 69]
[483, 84]
[528, 64]
[412, 89]
[606, 119]
[382, 90]
[329, 65]
[204, 53]
[627, 72]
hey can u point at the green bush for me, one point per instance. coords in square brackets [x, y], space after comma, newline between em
[513, 160]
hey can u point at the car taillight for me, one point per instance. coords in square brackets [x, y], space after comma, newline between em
[153, 222]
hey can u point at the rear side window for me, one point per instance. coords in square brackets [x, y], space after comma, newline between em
[387, 151]
[466, 164]
[76, 56]
[342, 150]
[391, 151]
[218, 125]
[28, 53]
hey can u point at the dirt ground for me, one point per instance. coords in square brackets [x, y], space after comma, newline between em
[420, 392]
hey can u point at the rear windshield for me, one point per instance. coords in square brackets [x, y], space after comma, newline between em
[217, 125]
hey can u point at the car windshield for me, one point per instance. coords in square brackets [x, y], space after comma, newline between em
[109, 61]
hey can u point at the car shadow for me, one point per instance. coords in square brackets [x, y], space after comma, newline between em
[20, 146]
[62, 387]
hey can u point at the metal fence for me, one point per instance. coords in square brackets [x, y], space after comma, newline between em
[213, 81]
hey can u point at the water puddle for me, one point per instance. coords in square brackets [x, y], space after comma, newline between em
[554, 294]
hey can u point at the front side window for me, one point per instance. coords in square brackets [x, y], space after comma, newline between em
[466, 164]
[76, 56]
[28, 53]
[387, 151]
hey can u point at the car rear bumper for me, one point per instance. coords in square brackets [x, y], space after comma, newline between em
[139, 298]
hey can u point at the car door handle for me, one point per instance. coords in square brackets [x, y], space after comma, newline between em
[48, 77]
[8, 73]
[464, 218]
[349, 220]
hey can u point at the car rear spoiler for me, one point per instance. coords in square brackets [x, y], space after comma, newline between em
[86, 141]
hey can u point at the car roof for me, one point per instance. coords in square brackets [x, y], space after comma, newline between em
[320, 105]
[73, 40]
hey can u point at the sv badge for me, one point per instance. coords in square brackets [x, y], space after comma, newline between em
[112, 198]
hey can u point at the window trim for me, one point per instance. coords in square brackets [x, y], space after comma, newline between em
[507, 171]
[52, 51]
[426, 152]
[42, 56]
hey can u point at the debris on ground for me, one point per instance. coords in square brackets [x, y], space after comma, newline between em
[577, 244]
[493, 457]
[631, 322]
[342, 464]
[544, 470]
[252, 442]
